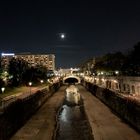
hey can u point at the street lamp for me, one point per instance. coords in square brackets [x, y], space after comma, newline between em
[30, 84]
[3, 89]
[117, 72]
[41, 81]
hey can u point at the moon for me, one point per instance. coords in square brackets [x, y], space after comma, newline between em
[62, 36]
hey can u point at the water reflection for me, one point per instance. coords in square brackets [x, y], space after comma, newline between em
[72, 122]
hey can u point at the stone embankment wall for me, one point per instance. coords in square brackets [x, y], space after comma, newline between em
[17, 113]
[127, 108]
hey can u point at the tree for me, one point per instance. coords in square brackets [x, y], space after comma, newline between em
[110, 62]
[17, 68]
[35, 74]
[131, 65]
[1, 83]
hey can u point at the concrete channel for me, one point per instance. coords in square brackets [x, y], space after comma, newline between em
[72, 123]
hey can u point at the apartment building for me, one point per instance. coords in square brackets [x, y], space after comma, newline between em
[5, 58]
[46, 60]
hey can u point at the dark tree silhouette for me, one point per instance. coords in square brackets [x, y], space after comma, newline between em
[131, 65]
[110, 62]
[17, 68]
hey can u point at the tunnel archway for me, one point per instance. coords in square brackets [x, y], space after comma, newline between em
[71, 80]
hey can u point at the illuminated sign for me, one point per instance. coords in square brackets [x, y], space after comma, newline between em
[7, 54]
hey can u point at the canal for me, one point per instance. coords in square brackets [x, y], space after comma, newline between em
[72, 123]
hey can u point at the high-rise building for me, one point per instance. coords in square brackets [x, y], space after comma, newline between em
[46, 60]
[5, 58]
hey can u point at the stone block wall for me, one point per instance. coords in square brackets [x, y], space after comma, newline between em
[17, 113]
[126, 107]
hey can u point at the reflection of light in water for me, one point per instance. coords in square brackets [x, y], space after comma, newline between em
[72, 124]
[64, 115]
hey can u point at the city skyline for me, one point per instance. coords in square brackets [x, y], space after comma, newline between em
[91, 29]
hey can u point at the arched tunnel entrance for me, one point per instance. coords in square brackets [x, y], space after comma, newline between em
[71, 80]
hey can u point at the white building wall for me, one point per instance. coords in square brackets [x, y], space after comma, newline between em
[125, 85]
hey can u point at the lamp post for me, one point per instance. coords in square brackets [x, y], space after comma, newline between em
[117, 72]
[41, 81]
[3, 89]
[2, 102]
[30, 84]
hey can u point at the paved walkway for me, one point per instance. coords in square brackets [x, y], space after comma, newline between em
[42, 125]
[105, 125]
[23, 93]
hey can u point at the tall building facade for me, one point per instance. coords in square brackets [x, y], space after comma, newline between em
[5, 58]
[46, 60]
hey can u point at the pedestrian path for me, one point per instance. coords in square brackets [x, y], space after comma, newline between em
[41, 125]
[104, 123]
[23, 93]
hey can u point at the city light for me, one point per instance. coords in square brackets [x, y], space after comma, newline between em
[30, 83]
[7, 54]
[115, 81]
[103, 79]
[3, 89]
[116, 72]
[102, 73]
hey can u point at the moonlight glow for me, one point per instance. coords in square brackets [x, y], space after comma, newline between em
[62, 36]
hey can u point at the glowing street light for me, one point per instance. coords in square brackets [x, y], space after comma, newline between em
[102, 73]
[30, 84]
[116, 72]
[41, 81]
[3, 89]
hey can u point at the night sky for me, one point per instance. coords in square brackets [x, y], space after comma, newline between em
[91, 29]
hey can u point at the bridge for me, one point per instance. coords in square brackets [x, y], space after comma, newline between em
[71, 78]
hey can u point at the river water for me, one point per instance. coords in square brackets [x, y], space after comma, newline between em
[73, 123]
